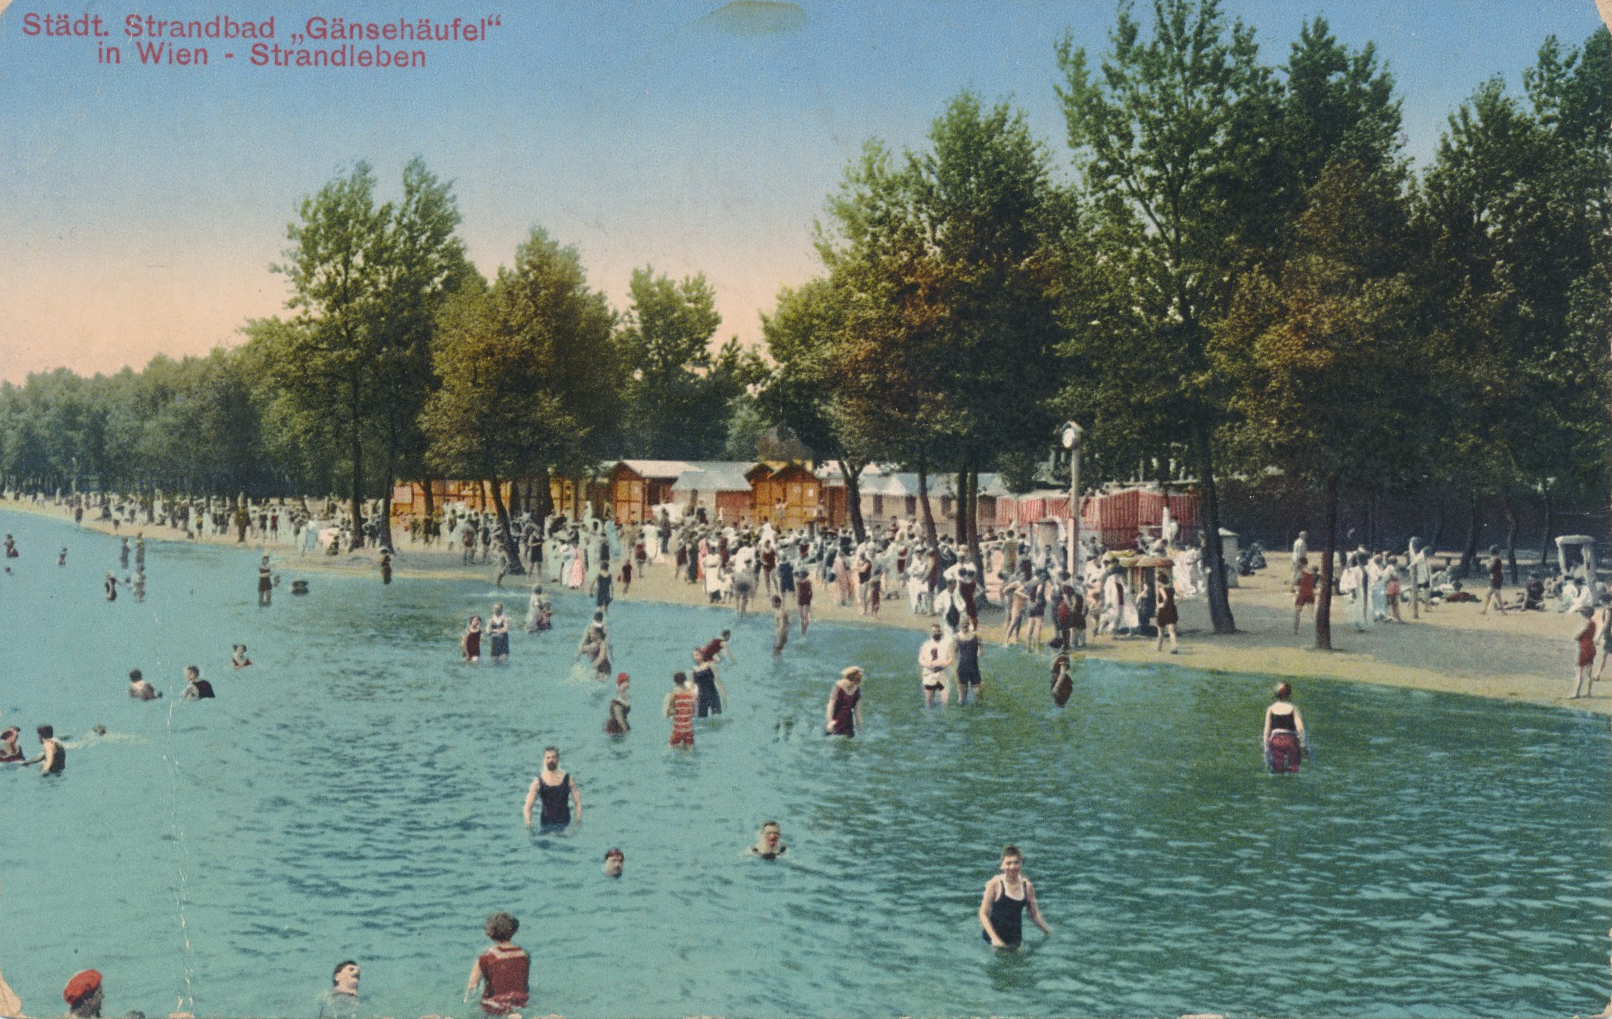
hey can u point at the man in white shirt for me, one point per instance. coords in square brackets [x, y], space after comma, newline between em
[934, 661]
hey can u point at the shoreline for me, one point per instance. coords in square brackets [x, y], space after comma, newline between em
[1521, 657]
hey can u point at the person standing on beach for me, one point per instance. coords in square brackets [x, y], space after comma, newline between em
[1584, 636]
[1304, 594]
[1008, 896]
[1167, 615]
[1497, 580]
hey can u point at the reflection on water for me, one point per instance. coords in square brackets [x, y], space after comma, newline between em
[357, 794]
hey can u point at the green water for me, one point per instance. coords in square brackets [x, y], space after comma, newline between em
[356, 794]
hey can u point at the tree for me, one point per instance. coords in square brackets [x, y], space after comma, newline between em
[1174, 143]
[676, 404]
[948, 263]
[530, 370]
[329, 362]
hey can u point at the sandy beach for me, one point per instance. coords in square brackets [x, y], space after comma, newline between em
[1520, 656]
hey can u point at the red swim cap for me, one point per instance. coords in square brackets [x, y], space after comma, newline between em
[84, 983]
[621, 679]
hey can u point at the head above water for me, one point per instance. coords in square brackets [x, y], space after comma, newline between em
[501, 926]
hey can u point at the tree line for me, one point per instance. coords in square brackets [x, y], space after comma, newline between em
[1228, 268]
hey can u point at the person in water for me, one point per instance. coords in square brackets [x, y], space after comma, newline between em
[265, 583]
[61, 560]
[10, 752]
[845, 704]
[554, 787]
[470, 640]
[386, 567]
[539, 617]
[84, 995]
[140, 688]
[767, 846]
[196, 688]
[1007, 897]
[966, 652]
[111, 587]
[340, 1001]
[614, 861]
[780, 625]
[1284, 740]
[620, 707]
[239, 661]
[52, 755]
[713, 695]
[503, 971]
[498, 630]
[679, 707]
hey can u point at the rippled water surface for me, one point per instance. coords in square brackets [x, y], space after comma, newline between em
[357, 794]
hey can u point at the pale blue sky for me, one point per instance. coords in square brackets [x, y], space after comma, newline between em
[140, 206]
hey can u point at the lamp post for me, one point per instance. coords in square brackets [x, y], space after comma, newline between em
[1070, 437]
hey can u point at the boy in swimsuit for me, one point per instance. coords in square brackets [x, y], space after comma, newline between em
[1007, 896]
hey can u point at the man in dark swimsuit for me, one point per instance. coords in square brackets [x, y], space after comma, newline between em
[554, 787]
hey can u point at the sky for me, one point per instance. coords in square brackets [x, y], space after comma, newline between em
[141, 205]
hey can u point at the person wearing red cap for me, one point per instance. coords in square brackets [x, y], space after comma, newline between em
[620, 705]
[83, 994]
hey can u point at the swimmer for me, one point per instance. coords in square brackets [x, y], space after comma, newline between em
[84, 995]
[52, 755]
[470, 640]
[1007, 897]
[140, 586]
[502, 971]
[1284, 738]
[498, 629]
[967, 648]
[596, 634]
[111, 587]
[386, 567]
[845, 704]
[553, 786]
[239, 661]
[713, 695]
[803, 600]
[1062, 685]
[61, 560]
[196, 688]
[539, 616]
[141, 689]
[620, 706]
[10, 752]
[780, 626]
[679, 707]
[614, 861]
[265, 583]
[341, 1000]
[719, 647]
[767, 846]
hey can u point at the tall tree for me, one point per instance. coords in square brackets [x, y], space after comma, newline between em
[1174, 142]
[530, 373]
[676, 405]
[330, 361]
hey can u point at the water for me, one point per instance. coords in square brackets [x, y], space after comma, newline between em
[356, 794]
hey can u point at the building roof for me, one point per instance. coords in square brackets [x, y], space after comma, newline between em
[713, 477]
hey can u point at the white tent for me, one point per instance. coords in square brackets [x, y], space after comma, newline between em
[1583, 548]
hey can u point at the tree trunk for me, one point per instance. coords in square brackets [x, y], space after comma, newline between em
[505, 538]
[384, 531]
[1438, 525]
[1323, 594]
[356, 496]
[545, 497]
[853, 497]
[430, 509]
[961, 503]
[974, 516]
[1469, 556]
[1511, 536]
[1550, 523]
[923, 501]
[1219, 603]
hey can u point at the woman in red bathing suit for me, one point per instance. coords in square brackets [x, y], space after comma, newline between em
[503, 971]
[679, 707]
[845, 704]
